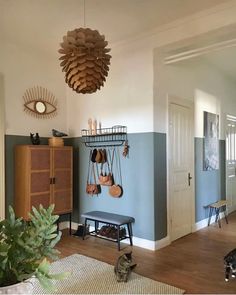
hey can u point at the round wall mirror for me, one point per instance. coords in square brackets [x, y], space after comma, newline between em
[40, 107]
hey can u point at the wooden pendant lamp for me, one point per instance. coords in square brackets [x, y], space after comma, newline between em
[85, 59]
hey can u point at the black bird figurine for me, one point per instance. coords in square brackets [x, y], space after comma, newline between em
[57, 133]
[35, 139]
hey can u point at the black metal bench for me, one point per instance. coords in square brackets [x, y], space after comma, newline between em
[111, 219]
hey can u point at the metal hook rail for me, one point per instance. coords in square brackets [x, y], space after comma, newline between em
[105, 137]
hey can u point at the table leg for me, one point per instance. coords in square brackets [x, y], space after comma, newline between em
[217, 210]
[118, 237]
[225, 214]
[96, 226]
[129, 226]
[210, 215]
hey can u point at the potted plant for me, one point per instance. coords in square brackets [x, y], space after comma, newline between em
[25, 247]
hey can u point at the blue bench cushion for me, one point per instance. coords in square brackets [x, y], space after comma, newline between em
[108, 217]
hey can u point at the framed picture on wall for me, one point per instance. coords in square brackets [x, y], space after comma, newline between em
[211, 142]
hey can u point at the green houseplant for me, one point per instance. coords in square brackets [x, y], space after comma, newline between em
[25, 247]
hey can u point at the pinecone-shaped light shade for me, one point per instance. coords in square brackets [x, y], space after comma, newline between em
[85, 60]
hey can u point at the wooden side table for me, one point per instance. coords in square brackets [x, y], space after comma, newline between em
[219, 206]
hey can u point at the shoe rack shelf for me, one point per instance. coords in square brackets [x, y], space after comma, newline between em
[104, 137]
[94, 233]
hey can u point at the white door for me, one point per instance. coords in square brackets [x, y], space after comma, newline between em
[2, 155]
[181, 176]
[231, 163]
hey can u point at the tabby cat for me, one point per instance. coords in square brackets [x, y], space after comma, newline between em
[123, 267]
[230, 264]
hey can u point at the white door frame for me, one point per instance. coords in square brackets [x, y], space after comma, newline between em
[187, 103]
[2, 153]
[229, 118]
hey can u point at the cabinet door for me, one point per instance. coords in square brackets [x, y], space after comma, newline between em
[40, 174]
[62, 173]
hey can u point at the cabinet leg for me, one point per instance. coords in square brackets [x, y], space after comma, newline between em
[58, 222]
[70, 224]
[85, 227]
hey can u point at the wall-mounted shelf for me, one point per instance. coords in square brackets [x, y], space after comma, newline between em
[114, 136]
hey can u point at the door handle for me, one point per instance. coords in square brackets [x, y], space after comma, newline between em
[52, 180]
[189, 179]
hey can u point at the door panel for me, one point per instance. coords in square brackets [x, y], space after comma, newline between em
[62, 179]
[43, 199]
[40, 159]
[231, 164]
[180, 165]
[62, 158]
[40, 182]
[62, 171]
[62, 201]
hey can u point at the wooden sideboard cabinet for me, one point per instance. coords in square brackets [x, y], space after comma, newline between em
[43, 175]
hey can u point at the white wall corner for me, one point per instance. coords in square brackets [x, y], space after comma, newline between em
[65, 225]
[162, 243]
[142, 243]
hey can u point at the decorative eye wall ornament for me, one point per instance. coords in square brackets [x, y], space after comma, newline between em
[40, 102]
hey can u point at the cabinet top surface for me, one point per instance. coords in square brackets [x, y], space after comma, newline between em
[43, 146]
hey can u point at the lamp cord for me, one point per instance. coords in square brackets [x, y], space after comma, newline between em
[84, 14]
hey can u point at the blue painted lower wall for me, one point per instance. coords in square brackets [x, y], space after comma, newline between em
[210, 186]
[160, 186]
[144, 180]
[137, 181]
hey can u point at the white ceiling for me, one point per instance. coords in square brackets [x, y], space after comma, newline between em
[224, 60]
[40, 24]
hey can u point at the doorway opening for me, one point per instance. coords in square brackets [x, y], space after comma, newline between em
[181, 167]
[231, 162]
[2, 154]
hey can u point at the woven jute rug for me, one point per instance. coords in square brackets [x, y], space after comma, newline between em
[90, 276]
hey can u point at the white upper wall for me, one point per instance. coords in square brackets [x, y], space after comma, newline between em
[132, 94]
[22, 68]
[197, 81]
[126, 98]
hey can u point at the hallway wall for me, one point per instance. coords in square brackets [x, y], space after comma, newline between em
[211, 91]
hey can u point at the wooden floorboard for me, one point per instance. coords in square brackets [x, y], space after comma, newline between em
[193, 263]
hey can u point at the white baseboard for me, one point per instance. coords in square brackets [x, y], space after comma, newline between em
[162, 243]
[139, 242]
[204, 223]
[142, 243]
[66, 224]
[231, 209]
